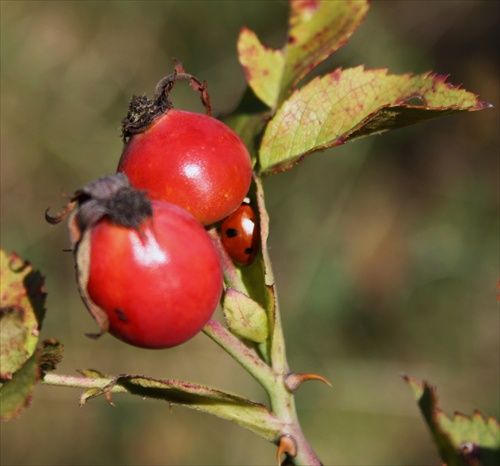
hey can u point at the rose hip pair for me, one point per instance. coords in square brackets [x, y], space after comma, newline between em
[147, 270]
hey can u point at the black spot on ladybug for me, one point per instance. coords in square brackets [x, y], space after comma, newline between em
[121, 315]
[249, 251]
[232, 232]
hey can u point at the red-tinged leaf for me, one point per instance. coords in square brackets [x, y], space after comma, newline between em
[262, 65]
[21, 314]
[248, 414]
[461, 440]
[353, 103]
[317, 28]
[16, 394]
[476, 438]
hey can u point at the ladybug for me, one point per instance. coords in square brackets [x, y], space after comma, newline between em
[240, 234]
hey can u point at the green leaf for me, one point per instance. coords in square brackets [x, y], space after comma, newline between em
[348, 104]
[21, 312]
[245, 317]
[92, 374]
[90, 393]
[317, 29]
[275, 350]
[17, 392]
[461, 440]
[253, 416]
[262, 65]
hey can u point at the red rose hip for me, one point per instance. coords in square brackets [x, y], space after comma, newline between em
[147, 270]
[158, 285]
[192, 160]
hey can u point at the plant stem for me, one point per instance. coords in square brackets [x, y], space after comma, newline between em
[247, 358]
[59, 380]
[273, 376]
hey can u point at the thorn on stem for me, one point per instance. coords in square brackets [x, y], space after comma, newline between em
[108, 398]
[286, 446]
[294, 381]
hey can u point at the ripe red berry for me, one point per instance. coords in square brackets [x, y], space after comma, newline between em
[192, 160]
[240, 235]
[147, 270]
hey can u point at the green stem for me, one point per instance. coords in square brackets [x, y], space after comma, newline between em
[246, 357]
[273, 376]
[282, 399]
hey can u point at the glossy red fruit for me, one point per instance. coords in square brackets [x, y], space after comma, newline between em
[158, 286]
[192, 160]
[240, 235]
[147, 270]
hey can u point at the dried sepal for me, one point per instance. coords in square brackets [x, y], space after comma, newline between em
[166, 84]
[143, 111]
[59, 217]
[82, 261]
[111, 196]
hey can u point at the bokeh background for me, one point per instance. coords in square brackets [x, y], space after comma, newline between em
[385, 250]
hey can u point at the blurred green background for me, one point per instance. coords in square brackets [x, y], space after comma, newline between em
[385, 250]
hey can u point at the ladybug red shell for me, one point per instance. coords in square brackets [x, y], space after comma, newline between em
[240, 235]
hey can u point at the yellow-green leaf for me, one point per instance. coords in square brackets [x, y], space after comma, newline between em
[16, 394]
[316, 29]
[245, 317]
[262, 65]
[21, 312]
[250, 415]
[348, 104]
[461, 440]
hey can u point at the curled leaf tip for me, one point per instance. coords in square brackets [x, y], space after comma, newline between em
[294, 381]
[286, 445]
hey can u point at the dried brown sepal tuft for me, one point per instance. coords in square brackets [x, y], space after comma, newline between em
[141, 114]
[143, 111]
[110, 196]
